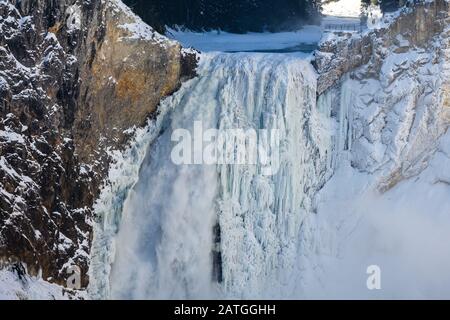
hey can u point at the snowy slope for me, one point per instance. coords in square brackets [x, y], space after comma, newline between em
[28, 288]
[403, 231]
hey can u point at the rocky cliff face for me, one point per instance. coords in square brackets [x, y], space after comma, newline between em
[74, 76]
[390, 87]
[414, 26]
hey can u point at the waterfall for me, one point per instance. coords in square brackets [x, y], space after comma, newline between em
[221, 229]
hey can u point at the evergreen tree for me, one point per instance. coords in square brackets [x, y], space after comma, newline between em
[390, 5]
[228, 15]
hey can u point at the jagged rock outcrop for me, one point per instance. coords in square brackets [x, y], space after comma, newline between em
[74, 76]
[339, 55]
[129, 68]
[343, 52]
[390, 88]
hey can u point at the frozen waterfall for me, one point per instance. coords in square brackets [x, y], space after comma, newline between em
[179, 221]
[309, 227]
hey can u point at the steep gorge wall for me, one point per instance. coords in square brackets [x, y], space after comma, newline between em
[390, 90]
[74, 76]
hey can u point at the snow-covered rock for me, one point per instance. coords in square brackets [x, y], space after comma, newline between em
[387, 203]
[17, 285]
[394, 96]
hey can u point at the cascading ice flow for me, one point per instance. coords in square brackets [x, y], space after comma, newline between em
[167, 244]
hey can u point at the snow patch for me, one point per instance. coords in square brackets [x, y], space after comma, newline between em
[137, 29]
[13, 287]
[74, 17]
[342, 8]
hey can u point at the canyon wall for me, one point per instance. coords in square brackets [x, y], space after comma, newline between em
[390, 89]
[74, 77]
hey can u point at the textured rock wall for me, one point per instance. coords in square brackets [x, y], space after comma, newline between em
[128, 71]
[345, 52]
[392, 100]
[74, 75]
